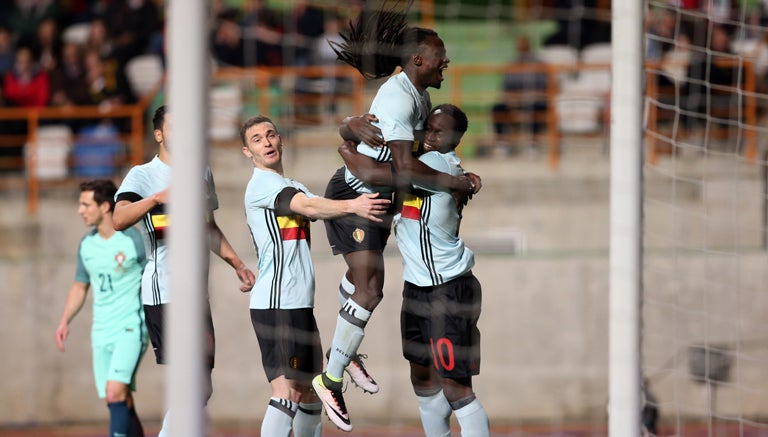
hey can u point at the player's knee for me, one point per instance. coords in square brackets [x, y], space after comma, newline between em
[116, 392]
[423, 379]
[456, 389]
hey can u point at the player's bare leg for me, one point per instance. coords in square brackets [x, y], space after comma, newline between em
[434, 409]
[367, 271]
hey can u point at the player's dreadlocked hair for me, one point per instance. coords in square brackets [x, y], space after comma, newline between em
[380, 43]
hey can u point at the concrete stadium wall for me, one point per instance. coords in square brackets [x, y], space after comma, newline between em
[544, 344]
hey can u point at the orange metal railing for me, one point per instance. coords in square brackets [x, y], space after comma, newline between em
[259, 77]
[33, 116]
[460, 73]
[747, 88]
[263, 78]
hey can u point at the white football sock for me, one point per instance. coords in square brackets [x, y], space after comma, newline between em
[278, 418]
[306, 423]
[435, 412]
[473, 420]
[349, 334]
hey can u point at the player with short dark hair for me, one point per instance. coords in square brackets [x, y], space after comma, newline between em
[279, 211]
[142, 197]
[376, 46]
[111, 263]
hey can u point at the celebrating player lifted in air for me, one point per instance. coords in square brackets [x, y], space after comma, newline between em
[376, 46]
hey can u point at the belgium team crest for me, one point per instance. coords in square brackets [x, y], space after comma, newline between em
[358, 235]
[294, 362]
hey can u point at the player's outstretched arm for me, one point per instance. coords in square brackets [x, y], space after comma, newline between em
[221, 247]
[128, 213]
[75, 300]
[368, 206]
[366, 169]
[410, 171]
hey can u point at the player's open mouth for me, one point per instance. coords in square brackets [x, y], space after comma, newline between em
[428, 147]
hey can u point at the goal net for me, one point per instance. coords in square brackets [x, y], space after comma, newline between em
[704, 344]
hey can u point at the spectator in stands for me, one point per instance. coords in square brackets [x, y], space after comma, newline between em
[761, 70]
[227, 42]
[47, 45]
[98, 39]
[68, 83]
[107, 84]
[100, 44]
[305, 24]
[687, 4]
[26, 84]
[716, 68]
[323, 54]
[660, 34]
[26, 15]
[332, 26]
[262, 34]
[524, 102]
[661, 38]
[7, 52]
[754, 11]
[131, 25]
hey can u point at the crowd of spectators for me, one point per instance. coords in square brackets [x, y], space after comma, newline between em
[698, 44]
[257, 35]
[41, 66]
[33, 50]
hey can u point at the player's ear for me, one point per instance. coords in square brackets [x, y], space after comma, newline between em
[417, 60]
[247, 152]
[158, 135]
